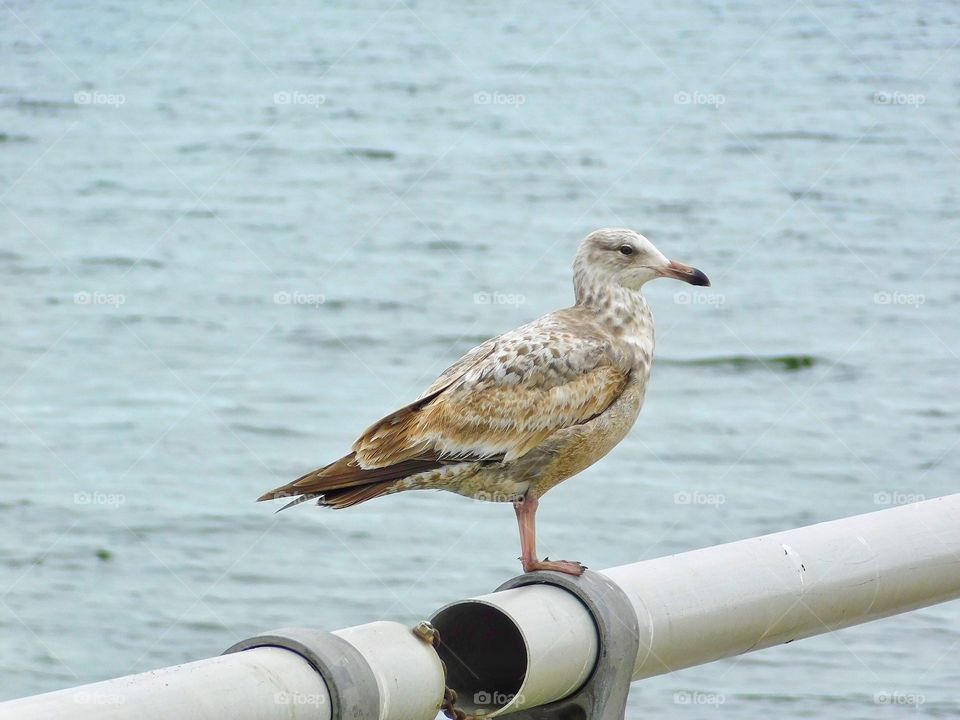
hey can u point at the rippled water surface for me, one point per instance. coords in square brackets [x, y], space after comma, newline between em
[233, 234]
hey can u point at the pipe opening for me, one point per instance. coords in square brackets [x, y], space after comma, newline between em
[485, 655]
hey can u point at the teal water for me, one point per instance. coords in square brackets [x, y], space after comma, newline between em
[235, 234]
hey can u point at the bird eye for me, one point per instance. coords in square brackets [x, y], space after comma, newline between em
[626, 250]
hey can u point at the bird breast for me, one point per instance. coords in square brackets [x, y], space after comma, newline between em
[628, 320]
[575, 449]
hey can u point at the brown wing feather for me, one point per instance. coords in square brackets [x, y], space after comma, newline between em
[345, 473]
[338, 499]
[490, 420]
[506, 396]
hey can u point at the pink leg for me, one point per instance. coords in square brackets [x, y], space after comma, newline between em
[526, 510]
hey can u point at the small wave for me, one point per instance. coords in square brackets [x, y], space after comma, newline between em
[364, 304]
[7, 138]
[270, 227]
[742, 149]
[99, 186]
[674, 208]
[271, 431]
[121, 261]
[264, 199]
[8, 504]
[45, 105]
[112, 425]
[200, 213]
[202, 626]
[252, 578]
[346, 343]
[193, 148]
[454, 245]
[806, 195]
[744, 363]
[798, 135]
[824, 137]
[372, 153]
[138, 318]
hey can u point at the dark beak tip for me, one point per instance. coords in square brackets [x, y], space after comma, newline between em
[699, 278]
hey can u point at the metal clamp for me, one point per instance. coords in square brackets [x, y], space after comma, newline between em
[604, 695]
[351, 684]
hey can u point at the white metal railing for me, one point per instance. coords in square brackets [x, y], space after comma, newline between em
[527, 646]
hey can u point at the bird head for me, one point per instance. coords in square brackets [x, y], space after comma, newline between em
[621, 257]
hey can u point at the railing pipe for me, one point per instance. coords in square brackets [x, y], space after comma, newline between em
[717, 602]
[529, 646]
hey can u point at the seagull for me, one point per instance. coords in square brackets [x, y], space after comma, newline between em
[523, 411]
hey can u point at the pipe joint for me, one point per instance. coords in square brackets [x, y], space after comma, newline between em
[542, 636]
[351, 683]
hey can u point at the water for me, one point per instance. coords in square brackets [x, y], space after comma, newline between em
[426, 171]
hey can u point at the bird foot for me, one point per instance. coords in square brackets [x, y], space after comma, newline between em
[570, 567]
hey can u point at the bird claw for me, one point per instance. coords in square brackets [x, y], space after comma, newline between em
[569, 567]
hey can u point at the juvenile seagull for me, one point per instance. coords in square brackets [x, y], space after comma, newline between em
[526, 410]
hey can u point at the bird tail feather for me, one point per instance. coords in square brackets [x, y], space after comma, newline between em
[344, 483]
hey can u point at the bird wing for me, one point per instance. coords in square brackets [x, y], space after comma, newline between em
[504, 397]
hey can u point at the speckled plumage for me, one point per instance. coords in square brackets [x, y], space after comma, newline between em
[536, 398]
[525, 410]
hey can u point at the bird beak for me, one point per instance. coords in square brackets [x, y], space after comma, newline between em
[685, 272]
